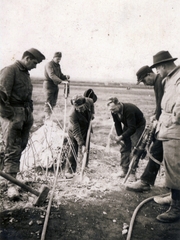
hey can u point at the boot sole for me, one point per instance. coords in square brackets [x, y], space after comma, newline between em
[137, 190]
[166, 221]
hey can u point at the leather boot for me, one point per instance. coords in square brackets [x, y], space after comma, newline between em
[13, 192]
[172, 214]
[163, 200]
[138, 186]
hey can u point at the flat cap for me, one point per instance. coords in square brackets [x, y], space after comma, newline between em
[78, 100]
[57, 54]
[142, 72]
[112, 100]
[90, 94]
[37, 54]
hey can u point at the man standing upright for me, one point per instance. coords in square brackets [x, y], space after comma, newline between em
[149, 78]
[53, 77]
[168, 130]
[16, 107]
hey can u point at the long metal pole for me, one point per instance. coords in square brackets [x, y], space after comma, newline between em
[86, 153]
[56, 176]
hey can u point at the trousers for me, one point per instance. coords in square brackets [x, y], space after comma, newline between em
[172, 163]
[152, 168]
[15, 138]
[129, 144]
[51, 95]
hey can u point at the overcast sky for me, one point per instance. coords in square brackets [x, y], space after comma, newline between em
[99, 39]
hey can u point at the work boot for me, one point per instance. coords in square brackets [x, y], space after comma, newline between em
[69, 175]
[132, 177]
[163, 200]
[138, 186]
[122, 173]
[13, 192]
[172, 214]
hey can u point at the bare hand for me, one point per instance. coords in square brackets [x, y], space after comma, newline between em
[152, 118]
[83, 150]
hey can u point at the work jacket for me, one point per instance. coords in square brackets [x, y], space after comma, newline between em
[79, 122]
[53, 74]
[16, 84]
[159, 91]
[131, 117]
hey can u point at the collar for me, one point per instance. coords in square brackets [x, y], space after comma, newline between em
[21, 67]
[171, 73]
[121, 108]
[56, 64]
[157, 75]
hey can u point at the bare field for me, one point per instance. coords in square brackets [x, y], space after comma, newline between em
[97, 208]
[143, 98]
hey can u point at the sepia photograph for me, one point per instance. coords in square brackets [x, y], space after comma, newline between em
[90, 120]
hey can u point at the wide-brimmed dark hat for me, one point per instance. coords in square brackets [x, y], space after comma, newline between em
[37, 54]
[161, 57]
[142, 72]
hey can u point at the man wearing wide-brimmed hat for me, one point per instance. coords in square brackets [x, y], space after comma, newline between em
[53, 77]
[146, 75]
[16, 109]
[168, 129]
[81, 114]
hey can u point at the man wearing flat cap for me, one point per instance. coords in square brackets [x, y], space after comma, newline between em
[168, 130]
[129, 123]
[81, 114]
[16, 109]
[53, 77]
[149, 78]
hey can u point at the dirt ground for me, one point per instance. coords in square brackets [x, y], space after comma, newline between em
[96, 208]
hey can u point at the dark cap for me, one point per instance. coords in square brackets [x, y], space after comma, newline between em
[57, 54]
[162, 57]
[90, 94]
[78, 100]
[37, 54]
[142, 72]
[112, 100]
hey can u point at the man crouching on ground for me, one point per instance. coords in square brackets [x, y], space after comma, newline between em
[79, 119]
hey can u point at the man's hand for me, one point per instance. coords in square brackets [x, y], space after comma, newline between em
[118, 139]
[112, 137]
[152, 118]
[67, 77]
[65, 81]
[115, 138]
[83, 149]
